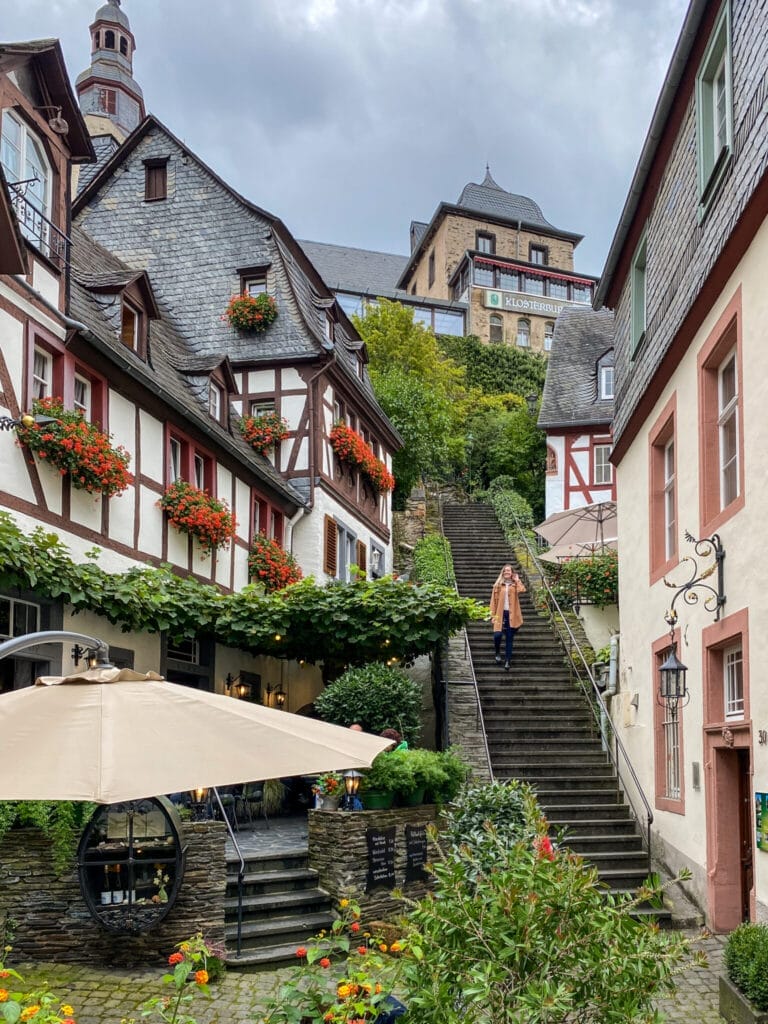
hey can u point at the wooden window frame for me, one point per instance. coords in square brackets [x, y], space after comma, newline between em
[600, 445]
[663, 431]
[254, 275]
[156, 179]
[713, 160]
[538, 248]
[724, 338]
[189, 449]
[491, 239]
[639, 295]
[64, 368]
[716, 639]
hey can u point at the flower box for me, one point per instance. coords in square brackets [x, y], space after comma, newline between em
[193, 511]
[350, 448]
[252, 313]
[77, 448]
[263, 432]
[271, 565]
[735, 1008]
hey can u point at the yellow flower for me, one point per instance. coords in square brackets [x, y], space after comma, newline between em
[3, 995]
[343, 991]
[30, 1012]
[343, 903]
[67, 1010]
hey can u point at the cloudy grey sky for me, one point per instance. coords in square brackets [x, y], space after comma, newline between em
[349, 118]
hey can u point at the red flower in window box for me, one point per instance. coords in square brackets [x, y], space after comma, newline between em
[77, 448]
[263, 432]
[353, 450]
[271, 565]
[195, 512]
[251, 312]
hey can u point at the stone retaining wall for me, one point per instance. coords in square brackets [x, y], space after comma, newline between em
[49, 921]
[338, 851]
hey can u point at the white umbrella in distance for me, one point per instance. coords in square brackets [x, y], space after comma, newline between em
[110, 735]
[593, 524]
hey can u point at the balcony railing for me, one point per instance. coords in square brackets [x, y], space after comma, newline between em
[38, 230]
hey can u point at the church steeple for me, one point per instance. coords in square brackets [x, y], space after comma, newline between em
[110, 99]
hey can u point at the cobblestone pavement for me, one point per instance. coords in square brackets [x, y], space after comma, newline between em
[107, 996]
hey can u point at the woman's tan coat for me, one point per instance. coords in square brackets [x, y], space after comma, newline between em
[497, 605]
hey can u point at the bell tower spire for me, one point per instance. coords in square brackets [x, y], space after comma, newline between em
[110, 99]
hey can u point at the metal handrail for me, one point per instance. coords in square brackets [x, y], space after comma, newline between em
[38, 229]
[479, 719]
[573, 645]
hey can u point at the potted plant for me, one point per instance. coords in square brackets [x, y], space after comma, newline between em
[271, 565]
[195, 512]
[329, 787]
[264, 432]
[389, 774]
[744, 992]
[430, 774]
[77, 448]
[456, 772]
[251, 312]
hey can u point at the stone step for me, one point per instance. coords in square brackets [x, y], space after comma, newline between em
[278, 931]
[260, 882]
[288, 860]
[256, 958]
[555, 768]
[578, 828]
[279, 904]
[580, 780]
[564, 814]
[577, 798]
[591, 846]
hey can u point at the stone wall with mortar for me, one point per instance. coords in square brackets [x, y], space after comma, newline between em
[48, 919]
[338, 851]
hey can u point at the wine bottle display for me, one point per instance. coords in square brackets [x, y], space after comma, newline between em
[106, 891]
[117, 887]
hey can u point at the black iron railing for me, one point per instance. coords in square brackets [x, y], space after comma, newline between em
[38, 230]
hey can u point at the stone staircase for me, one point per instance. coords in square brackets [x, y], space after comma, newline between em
[539, 726]
[282, 908]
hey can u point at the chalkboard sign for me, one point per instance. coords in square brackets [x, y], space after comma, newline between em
[415, 853]
[381, 857]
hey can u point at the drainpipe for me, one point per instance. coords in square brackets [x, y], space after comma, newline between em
[312, 447]
[613, 684]
[302, 510]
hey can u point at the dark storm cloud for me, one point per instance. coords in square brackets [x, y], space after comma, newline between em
[348, 118]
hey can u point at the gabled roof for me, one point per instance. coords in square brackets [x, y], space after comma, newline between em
[47, 56]
[348, 269]
[489, 202]
[12, 248]
[661, 114]
[118, 281]
[582, 338]
[160, 375]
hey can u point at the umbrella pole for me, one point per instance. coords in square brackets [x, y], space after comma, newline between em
[240, 872]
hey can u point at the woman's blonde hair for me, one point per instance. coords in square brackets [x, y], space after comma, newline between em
[500, 578]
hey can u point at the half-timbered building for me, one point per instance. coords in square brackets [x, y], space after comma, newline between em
[576, 411]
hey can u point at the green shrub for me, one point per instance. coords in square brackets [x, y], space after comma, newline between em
[592, 580]
[508, 807]
[391, 772]
[433, 562]
[457, 771]
[60, 821]
[376, 696]
[534, 939]
[501, 483]
[746, 961]
[507, 505]
[442, 774]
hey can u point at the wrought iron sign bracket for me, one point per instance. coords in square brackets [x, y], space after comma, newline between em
[715, 600]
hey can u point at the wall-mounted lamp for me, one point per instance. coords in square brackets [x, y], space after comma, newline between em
[84, 653]
[237, 687]
[279, 695]
[672, 672]
[531, 401]
[199, 801]
[27, 420]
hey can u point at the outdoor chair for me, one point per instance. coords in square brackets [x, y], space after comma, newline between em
[252, 793]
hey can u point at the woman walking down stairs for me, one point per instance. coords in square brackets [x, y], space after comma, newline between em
[539, 726]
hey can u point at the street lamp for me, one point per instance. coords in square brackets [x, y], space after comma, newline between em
[27, 420]
[350, 801]
[673, 673]
[532, 401]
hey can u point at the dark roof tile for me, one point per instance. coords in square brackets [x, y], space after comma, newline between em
[582, 336]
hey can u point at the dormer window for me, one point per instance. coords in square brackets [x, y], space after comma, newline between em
[109, 39]
[130, 326]
[215, 400]
[606, 382]
[253, 280]
[360, 367]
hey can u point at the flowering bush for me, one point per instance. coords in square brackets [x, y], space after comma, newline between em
[592, 580]
[190, 976]
[251, 312]
[328, 784]
[271, 565]
[195, 512]
[342, 978]
[77, 448]
[353, 450]
[41, 1006]
[263, 432]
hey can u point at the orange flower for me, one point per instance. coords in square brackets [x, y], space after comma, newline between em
[324, 962]
[175, 958]
[201, 977]
[395, 947]
[301, 952]
[354, 927]
[3, 995]
[30, 1012]
[383, 947]
[362, 950]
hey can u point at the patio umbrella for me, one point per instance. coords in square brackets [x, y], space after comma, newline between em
[568, 552]
[593, 524]
[110, 735]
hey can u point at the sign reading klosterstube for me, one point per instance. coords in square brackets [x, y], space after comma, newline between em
[519, 302]
[381, 858]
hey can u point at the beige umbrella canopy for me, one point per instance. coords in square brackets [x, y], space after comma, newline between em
[568, 552]
[591, 525]
[110, 735]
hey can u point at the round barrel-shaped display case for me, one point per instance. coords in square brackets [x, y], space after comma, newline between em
[131, 863]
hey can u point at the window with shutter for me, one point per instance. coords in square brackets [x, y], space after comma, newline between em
[361, 557]
[155, 179]
[331, 556]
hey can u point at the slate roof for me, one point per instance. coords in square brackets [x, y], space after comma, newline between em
[490, 199]
[110, 11]
[347, 269]
[104, 146]
[101, 312]
[418, 227]
[570, 399]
